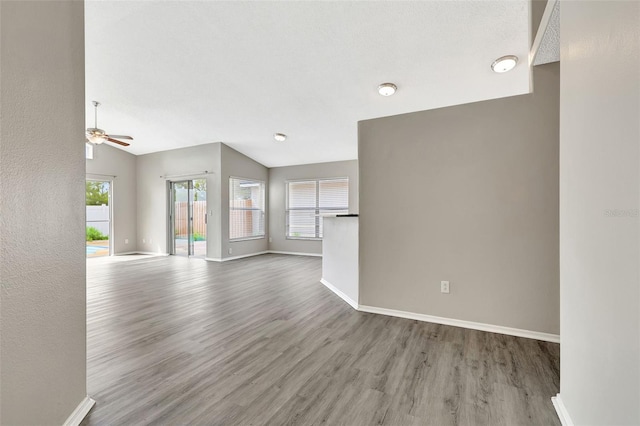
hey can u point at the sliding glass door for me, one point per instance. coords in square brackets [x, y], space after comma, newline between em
[189, 217]
[180, 214]
[98, 217]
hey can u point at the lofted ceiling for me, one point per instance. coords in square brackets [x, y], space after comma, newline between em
[546, 46]
[181, 73]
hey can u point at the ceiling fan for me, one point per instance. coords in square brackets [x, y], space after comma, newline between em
[97, 136]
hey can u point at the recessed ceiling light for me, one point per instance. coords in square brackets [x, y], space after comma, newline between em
[504, 64]
[280, 137]
[387, 89]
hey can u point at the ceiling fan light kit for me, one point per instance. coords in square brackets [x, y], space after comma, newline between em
[95, 136]
[98, 136]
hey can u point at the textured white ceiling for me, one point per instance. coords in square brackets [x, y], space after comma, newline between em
[176, 74]
[549, 49]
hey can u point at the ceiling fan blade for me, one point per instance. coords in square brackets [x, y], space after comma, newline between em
[129, 138]
[117, 141]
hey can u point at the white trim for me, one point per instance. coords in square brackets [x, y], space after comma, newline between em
[286, 237]
[242, 256]
[293, 253]
[464, 324]
[99, 177]
[561, 410]
[218, 259]
[151, 253]
[255, 237]
[80, 412]
[127, 253]
[340, 294]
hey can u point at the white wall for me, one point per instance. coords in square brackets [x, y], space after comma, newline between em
[111, 161]
[467, 194]
[42, 169]
[340, 256]
[599, 223]
[277, 200]
[153, 192]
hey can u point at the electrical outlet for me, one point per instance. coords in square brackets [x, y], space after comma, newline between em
[143, 241]
[126, 241]
[270, 239]
[444, 286]
[230, 250]
[150, 240]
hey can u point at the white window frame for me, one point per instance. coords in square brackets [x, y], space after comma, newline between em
[261, 209]
[317, 207]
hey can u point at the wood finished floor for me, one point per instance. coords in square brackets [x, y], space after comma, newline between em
[260, 341]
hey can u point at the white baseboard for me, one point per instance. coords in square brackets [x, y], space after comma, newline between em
[150, 253]
[224, 259]
[80, 412]
[561, 410]
[295, 253]
[340, 294]
[126, 253]
[242, 256]
[547, 337]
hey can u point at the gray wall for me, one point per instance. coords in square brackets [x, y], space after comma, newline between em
[277, 200]
[467, 194]
[221, 162]
[142, 208]
[153, 192]
[235, 164]
[42, 261]
[112, 161]
[537, 10]
[599, 224]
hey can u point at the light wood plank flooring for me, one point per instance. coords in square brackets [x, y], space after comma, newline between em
[260, 341]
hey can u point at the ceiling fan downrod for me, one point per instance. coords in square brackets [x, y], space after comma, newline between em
[96, 104]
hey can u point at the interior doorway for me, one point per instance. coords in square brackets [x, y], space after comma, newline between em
[98, 217]
[188, 217]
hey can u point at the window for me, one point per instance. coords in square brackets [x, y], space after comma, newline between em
[308, 200]
[246, 209]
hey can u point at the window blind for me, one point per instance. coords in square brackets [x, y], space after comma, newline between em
[246, 208]
[308, 200]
